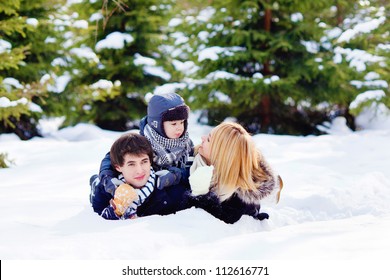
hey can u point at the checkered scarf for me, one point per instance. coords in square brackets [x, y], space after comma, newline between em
[169, 152]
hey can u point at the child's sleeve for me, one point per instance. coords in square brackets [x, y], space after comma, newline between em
[191, 149]
[107, 173]
[105, 165]
[108, 213]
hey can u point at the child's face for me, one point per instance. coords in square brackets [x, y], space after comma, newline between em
[174, 129]
[135, 170]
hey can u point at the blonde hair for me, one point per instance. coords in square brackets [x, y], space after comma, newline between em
[235, 159]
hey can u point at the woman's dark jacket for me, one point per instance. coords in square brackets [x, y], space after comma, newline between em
[229, 211]
[241, 202]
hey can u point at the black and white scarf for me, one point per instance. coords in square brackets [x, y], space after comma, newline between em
[169, 152]
[143, 193]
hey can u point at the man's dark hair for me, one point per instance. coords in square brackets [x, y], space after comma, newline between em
[130, 143]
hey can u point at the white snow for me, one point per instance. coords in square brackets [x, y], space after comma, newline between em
[102, 84]
[221, 97]
[12, 82]
[296, 17]
[334, 208]
[150, 68]
[212, 53]
[186, 67]
[5, 102]
[81, 24]
[311, 46]
[363, 27]
[367, 95]
[60, 82]
[357, 58]
[175, 22]
[216, 75]
[32, 21]
[272, 79]
[157, 71]
[85, 52]
[5, 46]
[168, 88]
[115, 40]
[143, 60]
[96, 17]
[334, 205]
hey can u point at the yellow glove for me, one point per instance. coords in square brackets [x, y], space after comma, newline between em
[123, 197]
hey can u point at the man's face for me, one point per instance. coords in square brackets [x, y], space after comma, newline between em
[135, 170]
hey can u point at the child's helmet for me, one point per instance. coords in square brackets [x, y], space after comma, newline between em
[166, 107]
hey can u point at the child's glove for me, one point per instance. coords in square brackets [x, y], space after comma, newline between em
[124, 196]
[109, 181]
[170, 177]
[200, 180]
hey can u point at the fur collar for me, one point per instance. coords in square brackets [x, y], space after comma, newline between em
[268, 188]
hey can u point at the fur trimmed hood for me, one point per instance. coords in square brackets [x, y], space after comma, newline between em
[269, 188]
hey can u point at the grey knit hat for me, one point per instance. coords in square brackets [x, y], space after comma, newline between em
[166, 107]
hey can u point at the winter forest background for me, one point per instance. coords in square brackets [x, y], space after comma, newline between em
[279, 67]
[75, 74]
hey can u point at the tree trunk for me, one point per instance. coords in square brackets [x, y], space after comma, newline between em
[339, 14]
[265, 103]
[267, 28]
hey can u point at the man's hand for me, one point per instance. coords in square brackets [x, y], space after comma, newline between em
[124, 196]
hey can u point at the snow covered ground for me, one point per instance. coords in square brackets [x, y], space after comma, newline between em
[334, 206]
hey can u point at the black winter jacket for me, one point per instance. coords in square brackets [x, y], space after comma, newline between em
[241, 202]
[229, 211]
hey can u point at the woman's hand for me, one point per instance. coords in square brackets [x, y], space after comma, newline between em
[200, 180]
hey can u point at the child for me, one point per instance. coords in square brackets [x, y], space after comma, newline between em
[131, 155]
[165, 126]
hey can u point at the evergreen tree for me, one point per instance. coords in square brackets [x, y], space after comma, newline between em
[263, 62]
[363, 43]
[125, 61]
[13, 99]
[25, 58]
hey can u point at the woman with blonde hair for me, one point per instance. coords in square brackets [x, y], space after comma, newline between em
[229, 176]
